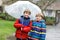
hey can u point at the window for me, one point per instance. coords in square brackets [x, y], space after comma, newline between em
[49, 12]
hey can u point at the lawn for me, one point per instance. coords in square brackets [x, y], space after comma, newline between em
[6, 29]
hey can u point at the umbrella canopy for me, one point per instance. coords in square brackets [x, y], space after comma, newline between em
[16, 9]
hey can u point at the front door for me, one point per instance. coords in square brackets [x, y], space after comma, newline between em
[58, 15]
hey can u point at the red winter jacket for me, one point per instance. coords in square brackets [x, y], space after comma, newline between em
[22, 33]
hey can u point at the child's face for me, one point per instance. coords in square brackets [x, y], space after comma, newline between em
[26, 14]
[38, 18]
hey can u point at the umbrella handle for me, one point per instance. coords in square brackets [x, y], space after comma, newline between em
[22, 27]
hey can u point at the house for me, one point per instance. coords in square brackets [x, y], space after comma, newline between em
[53, 10]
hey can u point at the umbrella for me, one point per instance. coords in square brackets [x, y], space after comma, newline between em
[16, 9]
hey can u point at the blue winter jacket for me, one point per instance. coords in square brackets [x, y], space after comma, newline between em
[38, 30]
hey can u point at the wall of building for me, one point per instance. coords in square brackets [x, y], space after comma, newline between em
[0, 2]
[49, 14]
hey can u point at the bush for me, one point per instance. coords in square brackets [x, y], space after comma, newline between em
[50, 20]
[2, 16]
[5, 16]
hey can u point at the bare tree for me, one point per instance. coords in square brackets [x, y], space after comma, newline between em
[7, 2]
[44, 3]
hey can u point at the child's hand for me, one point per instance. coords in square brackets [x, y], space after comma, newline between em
[26, 29]
[22, 26]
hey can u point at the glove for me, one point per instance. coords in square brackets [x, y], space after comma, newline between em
[26, 29]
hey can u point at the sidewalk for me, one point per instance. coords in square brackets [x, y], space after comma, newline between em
[12, 37]
[53, 32]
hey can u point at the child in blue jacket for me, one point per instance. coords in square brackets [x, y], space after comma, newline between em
[38, 31]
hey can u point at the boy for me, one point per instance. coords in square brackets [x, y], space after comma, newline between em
[23, 26]
[38, 28]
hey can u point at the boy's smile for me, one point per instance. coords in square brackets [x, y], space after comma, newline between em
[26, 14]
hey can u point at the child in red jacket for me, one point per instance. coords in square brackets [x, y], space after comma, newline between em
[23, 26]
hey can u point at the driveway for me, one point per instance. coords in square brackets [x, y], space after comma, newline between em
[53, 32]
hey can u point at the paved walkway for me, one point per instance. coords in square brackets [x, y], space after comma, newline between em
[53, 33]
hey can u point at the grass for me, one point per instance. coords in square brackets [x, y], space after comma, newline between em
[6, 29]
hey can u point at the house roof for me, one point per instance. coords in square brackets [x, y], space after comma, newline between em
[54, 6]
